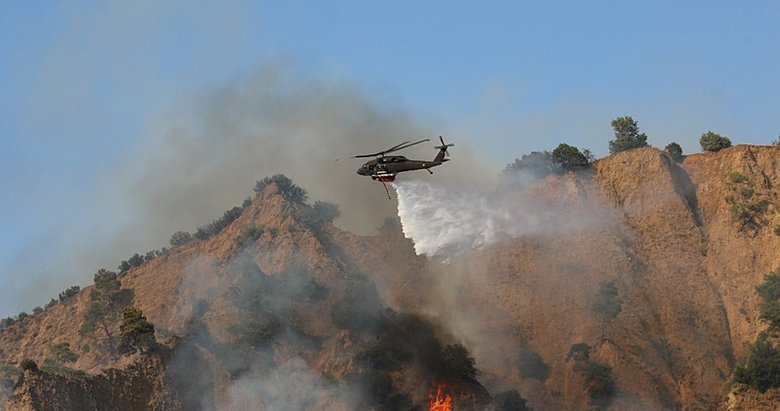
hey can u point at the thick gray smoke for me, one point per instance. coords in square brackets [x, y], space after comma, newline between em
[206, 160]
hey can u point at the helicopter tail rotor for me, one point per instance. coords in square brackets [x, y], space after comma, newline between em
[443, 147]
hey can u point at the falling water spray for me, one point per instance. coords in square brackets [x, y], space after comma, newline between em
[444, 222]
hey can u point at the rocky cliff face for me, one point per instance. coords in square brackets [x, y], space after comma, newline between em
[140, 386]
[671, 238]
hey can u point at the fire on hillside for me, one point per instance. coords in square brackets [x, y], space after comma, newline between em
[439, 402]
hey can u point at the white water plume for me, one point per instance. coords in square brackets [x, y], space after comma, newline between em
[444, 222]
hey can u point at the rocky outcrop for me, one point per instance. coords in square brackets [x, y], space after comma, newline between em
[140, 386]
[742, 397]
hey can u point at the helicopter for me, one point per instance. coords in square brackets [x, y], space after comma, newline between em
[385, 168]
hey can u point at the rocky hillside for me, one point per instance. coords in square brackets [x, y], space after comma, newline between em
[639, 293]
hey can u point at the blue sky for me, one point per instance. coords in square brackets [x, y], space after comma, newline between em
[88, 87]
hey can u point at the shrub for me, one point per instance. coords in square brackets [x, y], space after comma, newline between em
[675, 151]
[538, 164]
[136, 333]
[599, 381]
[6, 322]
[249, 234]
[713, 141]
[106, 281]
[746, 210]
[510, 401]
[326, 212]
[735, 177]
[37, 310]
[180, 238]
[379, 358]
[321, 213]
[769, 291]
[206, 231]
[28, 365]
[607, 303]
[257, 333]
[289, 190]
[61, 353]
[580, 352]
[532, 365]
[404, 338]
[359, 307]
[68, 293]
[762, 368]
[627, 135]
[777, 230]
[135, 261]
[459, 362]
[570, 156]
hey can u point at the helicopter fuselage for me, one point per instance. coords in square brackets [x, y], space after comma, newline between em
[387, 167]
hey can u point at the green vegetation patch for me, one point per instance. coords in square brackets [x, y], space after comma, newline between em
[762, 368]
[747, 209]
[532, 365]
[711, 141]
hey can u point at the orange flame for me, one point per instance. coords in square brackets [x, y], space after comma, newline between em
[437, 402]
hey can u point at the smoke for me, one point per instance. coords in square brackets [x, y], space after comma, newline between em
[207, 158]
[267, 347]
[292, 385]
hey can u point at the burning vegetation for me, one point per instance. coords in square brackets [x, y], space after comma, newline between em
[438, 401]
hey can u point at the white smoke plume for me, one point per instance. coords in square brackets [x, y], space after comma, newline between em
[291, 385]
[444, 221]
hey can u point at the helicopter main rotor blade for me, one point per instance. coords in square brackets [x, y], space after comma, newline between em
[369, 155]
[406, 145]
[381, 153]
[396, 147]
